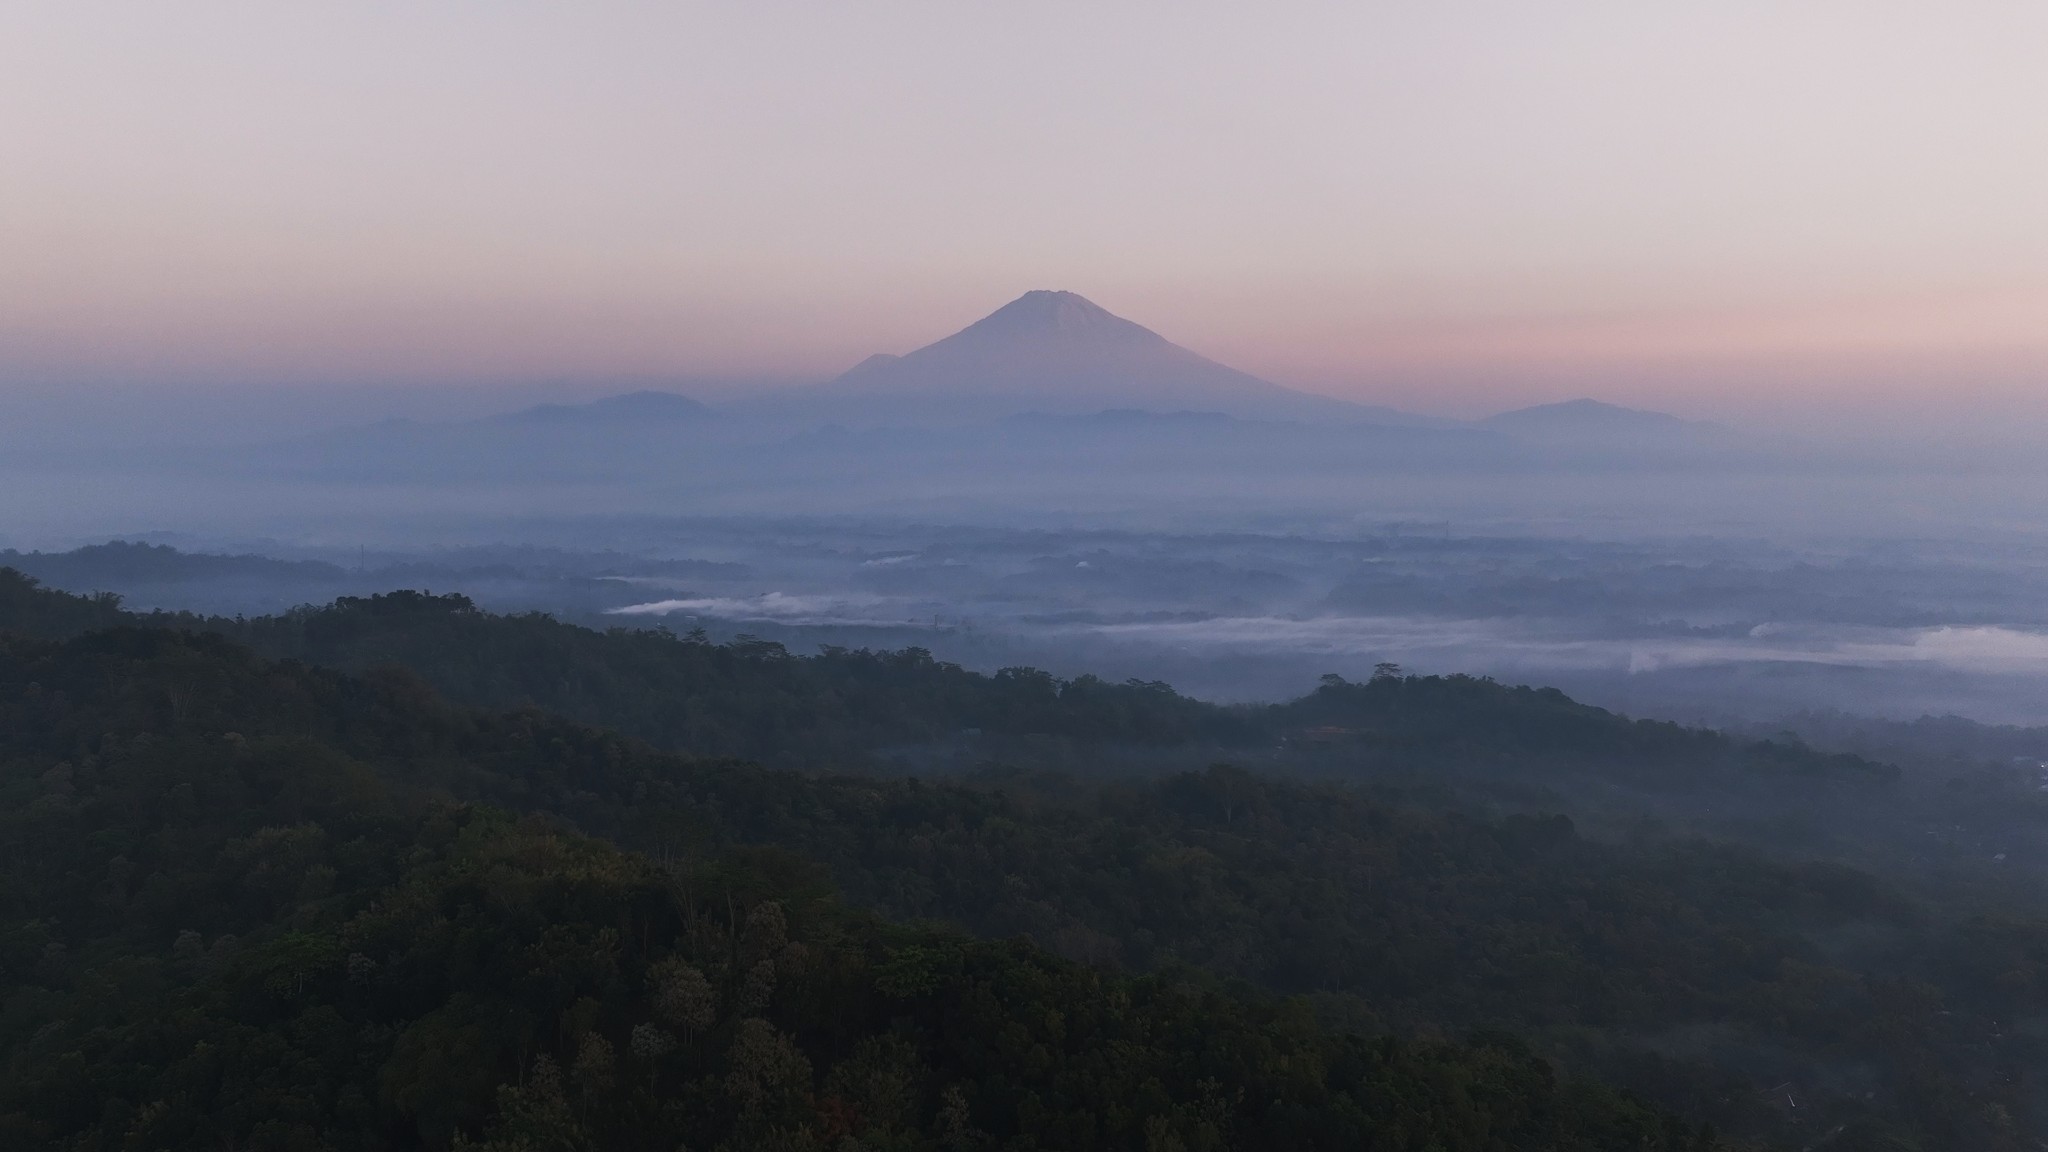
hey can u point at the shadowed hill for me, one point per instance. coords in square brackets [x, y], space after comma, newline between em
[759, 701]
[239, 915]
[1690, 971]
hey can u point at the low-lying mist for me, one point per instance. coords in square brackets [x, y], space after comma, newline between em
[1700, 629]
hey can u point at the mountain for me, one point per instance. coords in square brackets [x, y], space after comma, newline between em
[121, 565]
[1591, 421]
[617, 436]
[630, 408]
[1059, 352]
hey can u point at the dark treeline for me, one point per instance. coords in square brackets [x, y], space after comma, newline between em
[122, 562]
[757, 700]
[1782, 1001]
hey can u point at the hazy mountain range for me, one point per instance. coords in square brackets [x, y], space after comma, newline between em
[1059, 352]
[1045, 353]
[1049, 408]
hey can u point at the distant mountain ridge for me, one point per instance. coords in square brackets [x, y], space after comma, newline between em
[1595, 420]
[626, 407]
[609, 438]
[1043, 391]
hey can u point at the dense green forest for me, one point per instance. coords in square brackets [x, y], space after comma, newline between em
[1959, 834]
[243, 910]
[168, 789]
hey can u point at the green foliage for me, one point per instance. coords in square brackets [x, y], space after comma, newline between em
[750, 698]
[31, 610]
[182, 814]
[756, 700]
[1460, 719]
[242, 912]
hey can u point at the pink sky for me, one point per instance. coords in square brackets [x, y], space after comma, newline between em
[1733, 210]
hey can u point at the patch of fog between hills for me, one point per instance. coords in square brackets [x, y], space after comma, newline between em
[781, 608]
[1432, 642]
[1465, 643]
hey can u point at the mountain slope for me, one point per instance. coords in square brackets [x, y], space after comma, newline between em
[1700, 974]
[1595, 422]
[626, 408]
[1059, 352]
[238, 915]
[608, 439]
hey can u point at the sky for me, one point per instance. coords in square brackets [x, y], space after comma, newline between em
[1812, 211]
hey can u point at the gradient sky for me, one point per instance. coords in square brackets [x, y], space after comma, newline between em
[1723, 209]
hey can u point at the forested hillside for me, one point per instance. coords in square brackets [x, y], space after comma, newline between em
[1780, 1000]
[840, 707]
[241, 911]
[1964, 835]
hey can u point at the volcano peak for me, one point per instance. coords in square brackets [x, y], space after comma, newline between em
[1053, 351]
